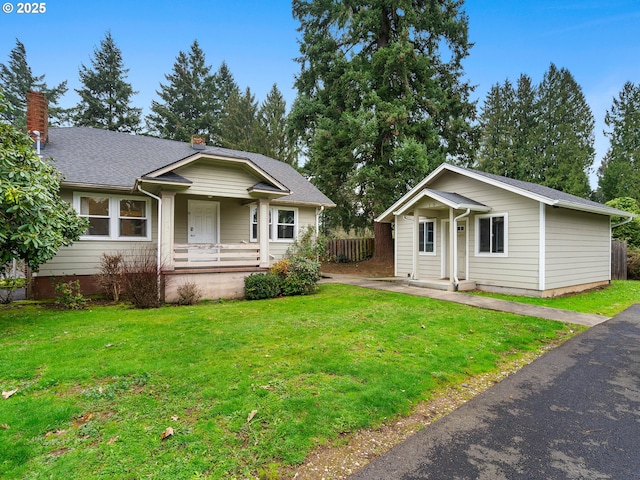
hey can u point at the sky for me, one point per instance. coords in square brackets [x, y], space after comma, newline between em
[597, 41]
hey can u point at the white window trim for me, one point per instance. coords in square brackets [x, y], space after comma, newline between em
[273, 226]
[114, 217]
[421, 222]
[478, 253]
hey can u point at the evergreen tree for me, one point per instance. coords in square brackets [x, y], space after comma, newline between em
[190, 102]
[565, 133]
[278, 143]
[497, 152]
[540, 134]
[105, 98]
[619, 173]
[16, 79]
[240, 128]
[381, 100]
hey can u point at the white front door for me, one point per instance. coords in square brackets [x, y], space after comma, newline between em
[463, 250]
[203, 225]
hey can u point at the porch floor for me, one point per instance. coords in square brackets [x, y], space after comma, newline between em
[443, 284]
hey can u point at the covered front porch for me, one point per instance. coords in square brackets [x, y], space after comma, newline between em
[441, 242]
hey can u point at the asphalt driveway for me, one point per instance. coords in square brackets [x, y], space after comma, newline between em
[572, 414]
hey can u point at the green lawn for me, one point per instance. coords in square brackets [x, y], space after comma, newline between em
[607, 301]
[97, 388]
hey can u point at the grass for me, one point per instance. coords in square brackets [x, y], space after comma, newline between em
[97, 388]
[607, 301]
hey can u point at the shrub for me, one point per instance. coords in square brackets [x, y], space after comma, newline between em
[281, 268]
[69, 295]
[141, 278]
[110, 276]
[302, 277]
[261, 285]
[633, 264]
[9, 283]
[307, 245]
[189, 293]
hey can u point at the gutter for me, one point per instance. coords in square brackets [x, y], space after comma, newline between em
[456, 281]
[622, 223]
[159, 252]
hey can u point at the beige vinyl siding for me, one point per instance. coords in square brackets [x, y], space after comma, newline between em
[218, 179]
[404, 245]
[577, 248]
[306, 218]
[519, 269]
[83, 257]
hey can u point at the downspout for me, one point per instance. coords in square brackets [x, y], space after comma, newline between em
[37, 134]
[159, 253]
[456, 282]
[318, 213]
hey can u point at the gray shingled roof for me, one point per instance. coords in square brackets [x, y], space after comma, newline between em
[547, 192]
[103, 158]
[455, 198]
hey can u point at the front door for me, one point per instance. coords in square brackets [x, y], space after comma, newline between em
[203, 224]
[463, 241]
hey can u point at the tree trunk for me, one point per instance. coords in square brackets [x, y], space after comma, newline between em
[383, 243]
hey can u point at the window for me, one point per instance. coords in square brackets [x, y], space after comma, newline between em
[286, 226]
[492, 234]
[114, 218]
[426, 241]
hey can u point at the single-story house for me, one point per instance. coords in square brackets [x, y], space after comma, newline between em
[213, 215]
[464, 229]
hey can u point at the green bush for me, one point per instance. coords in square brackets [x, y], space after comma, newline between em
[261, 285]
[302, 277]
[69, 295]
[308, 245]
[633, 264]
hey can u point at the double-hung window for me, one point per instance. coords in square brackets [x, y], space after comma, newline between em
[114, 217]
[285, 227]
[427, 236]
[492, 234]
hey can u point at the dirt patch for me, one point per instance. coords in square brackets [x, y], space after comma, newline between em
[367, 268]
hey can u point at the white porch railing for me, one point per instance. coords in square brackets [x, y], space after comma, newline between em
[192, 255]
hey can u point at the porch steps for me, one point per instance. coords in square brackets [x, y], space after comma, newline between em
[443, 284]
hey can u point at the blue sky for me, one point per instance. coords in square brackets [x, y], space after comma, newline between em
[596, 40]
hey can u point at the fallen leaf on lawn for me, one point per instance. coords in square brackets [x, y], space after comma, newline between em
[60, 451]
[6, 395]
[4, 426]
[175, 418]
[251, 415]
[167, 433]
[112, 440]
[55, 432]
[109, 345]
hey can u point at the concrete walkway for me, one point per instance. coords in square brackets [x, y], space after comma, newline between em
[395, 285]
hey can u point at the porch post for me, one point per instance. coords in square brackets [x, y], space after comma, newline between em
[263, 231]
[453, 252]
[416, 241]
[167, 226]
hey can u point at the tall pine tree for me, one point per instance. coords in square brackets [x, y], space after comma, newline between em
[240, 128]
[16, 79]
[191, 104]
[381, 100]
[278, 143]
[619, 173]
[540, 134]
[105, 96]
[565, 133]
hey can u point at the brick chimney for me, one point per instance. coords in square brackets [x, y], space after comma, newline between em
[38, 116]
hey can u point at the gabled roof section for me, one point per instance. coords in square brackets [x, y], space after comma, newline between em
[449, 199]
[540, 193]
[102, 159]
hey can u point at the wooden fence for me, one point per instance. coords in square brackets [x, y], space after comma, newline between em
[349, 250]
[618, 260]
